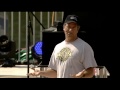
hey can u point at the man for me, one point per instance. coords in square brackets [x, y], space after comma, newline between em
[73, 57]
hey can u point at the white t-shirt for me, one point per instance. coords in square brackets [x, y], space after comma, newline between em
[71, 58]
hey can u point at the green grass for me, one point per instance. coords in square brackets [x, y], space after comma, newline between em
[23, 26]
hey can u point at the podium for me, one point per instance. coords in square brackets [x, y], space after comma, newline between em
[101, 72]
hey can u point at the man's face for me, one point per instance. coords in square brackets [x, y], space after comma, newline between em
[71, 29]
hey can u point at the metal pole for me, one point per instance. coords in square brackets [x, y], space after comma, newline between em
[28, 36]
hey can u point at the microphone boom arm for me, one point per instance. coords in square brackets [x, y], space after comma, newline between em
[38, 20]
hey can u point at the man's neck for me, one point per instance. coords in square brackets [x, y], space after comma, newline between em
[71, 39]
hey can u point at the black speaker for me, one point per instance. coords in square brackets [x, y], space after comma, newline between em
[50, 39]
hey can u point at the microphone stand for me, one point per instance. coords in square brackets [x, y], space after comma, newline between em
[28, 41]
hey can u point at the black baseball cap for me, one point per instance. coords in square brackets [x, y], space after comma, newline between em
[72, 18]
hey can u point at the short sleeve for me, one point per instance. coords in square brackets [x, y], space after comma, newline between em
[88, 57]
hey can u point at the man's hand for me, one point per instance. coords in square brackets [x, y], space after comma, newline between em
[35, 73]
[86, 73]
[79, 75]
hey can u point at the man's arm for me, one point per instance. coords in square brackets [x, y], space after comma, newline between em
[50, 73]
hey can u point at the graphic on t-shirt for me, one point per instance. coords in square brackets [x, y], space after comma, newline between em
[64, 54]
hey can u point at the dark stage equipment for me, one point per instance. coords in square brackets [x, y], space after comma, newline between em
[7, 51]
